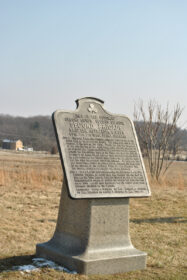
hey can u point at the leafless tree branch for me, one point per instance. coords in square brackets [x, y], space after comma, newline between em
[158, 134]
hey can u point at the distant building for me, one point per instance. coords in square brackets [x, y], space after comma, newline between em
[28, 149]
[12, 144]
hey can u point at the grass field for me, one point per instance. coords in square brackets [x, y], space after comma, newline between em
[30, 186]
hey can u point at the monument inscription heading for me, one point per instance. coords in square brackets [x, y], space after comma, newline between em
[100, 153]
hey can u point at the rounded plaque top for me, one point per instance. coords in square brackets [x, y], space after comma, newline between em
[86, 99]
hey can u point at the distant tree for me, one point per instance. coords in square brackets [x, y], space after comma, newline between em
[158, 134]
[35, 125]
[183, 139]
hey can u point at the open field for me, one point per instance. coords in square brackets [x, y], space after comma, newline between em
[30, 186]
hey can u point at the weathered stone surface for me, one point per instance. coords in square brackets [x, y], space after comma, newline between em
[92, 237]
[103, 168]
[100, 153]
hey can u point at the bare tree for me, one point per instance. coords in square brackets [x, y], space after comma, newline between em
[158, 134]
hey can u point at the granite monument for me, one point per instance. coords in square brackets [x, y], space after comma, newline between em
[103, 168]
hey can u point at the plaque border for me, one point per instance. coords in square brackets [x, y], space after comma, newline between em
[71, 191]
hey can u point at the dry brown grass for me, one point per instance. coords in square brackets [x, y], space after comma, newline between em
[176, 176]
[30, 187]
[29, 169]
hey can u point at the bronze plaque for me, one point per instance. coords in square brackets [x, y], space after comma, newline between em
[100, 153]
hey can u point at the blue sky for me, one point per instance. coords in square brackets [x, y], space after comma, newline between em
[54, 51]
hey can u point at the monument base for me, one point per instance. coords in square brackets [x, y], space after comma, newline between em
[92, 237]
[110, 262]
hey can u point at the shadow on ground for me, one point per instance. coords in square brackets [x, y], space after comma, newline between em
[172, 220]
[8, 263]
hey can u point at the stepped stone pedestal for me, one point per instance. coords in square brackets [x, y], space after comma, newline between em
[92, 237]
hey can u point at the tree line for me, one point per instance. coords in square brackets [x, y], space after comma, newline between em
[38, 132]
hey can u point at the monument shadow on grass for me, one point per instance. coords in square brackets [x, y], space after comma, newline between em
[170, 220]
